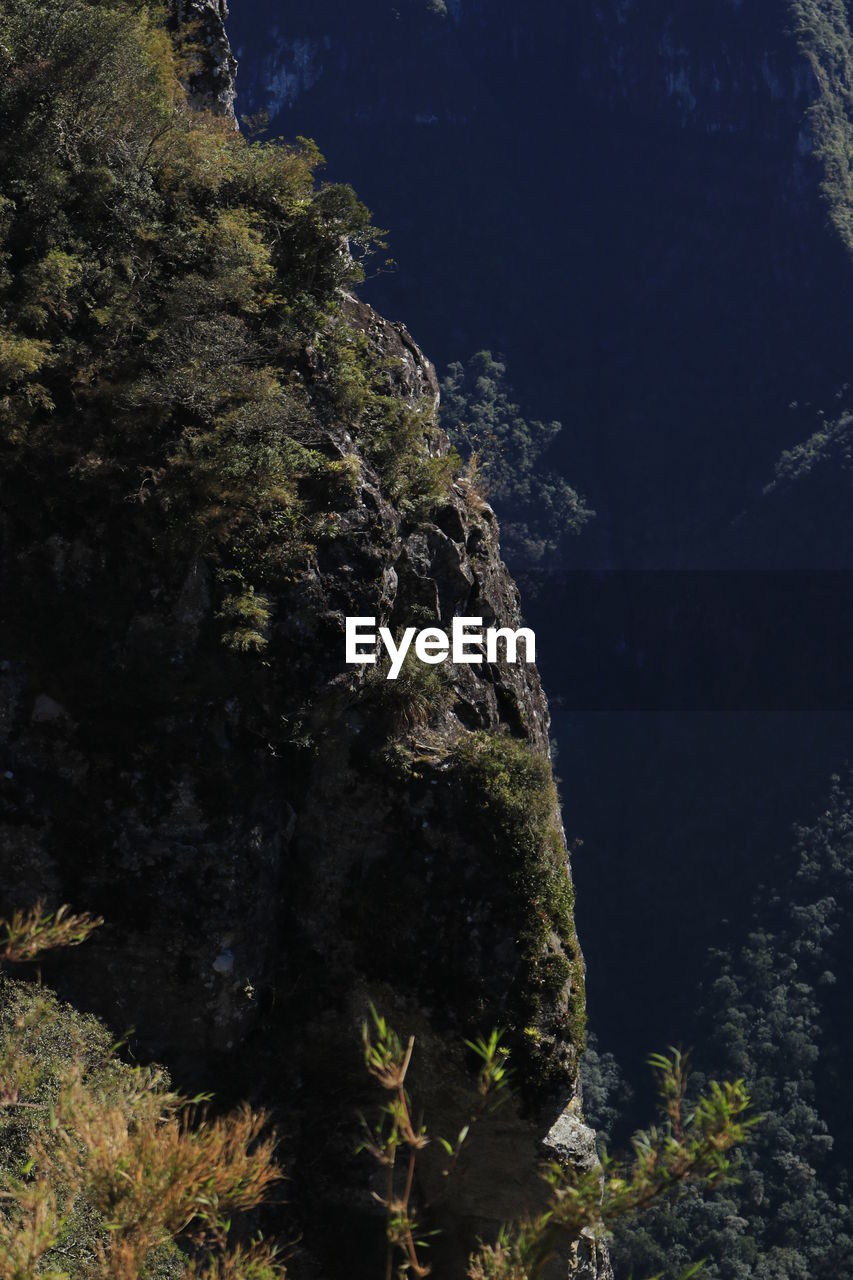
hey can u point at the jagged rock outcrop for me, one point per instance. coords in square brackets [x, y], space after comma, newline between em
[212, 65]
[231, 456]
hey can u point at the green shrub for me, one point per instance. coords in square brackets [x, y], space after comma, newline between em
[175, 365]
[414, 700]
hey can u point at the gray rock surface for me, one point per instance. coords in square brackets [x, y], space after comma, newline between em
[212, 65]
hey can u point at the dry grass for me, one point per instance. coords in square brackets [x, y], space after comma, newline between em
[104, 1163]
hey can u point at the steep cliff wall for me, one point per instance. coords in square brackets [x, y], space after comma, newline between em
[199, 26]
[274, 843]
[231, 453]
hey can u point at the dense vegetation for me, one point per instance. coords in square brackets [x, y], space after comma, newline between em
[537, 506]
[822, 30]
[171, 336]
[103, 1166]
[774, 1014]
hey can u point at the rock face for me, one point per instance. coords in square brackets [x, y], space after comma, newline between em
[212, 65]
[274, 844]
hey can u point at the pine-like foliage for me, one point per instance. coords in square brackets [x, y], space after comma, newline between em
[538, 508]
[769, 1007]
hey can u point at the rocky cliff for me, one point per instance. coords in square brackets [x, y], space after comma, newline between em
[274, 843]
[623, 198]
[199, 26]
[232, 453]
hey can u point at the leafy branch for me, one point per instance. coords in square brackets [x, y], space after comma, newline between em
[27, 933]
[113, 1145]
[388, 1059]
[691, 1145]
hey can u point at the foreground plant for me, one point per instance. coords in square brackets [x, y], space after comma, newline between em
[387, 1059]
[692, 1144]
[105, 1166]
[26, 933]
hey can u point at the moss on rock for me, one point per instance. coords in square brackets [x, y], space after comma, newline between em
[511, 802]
